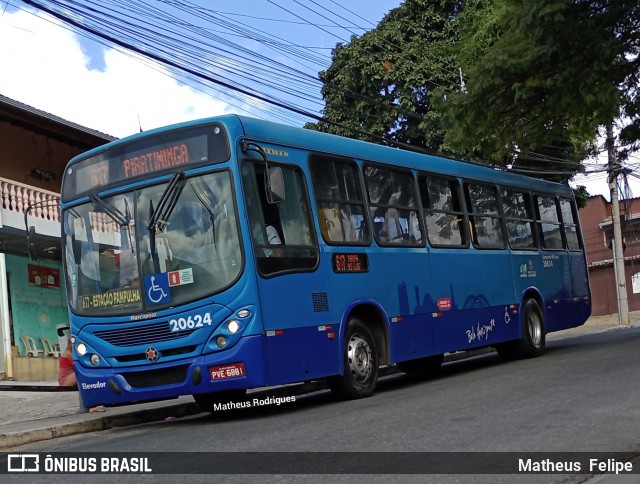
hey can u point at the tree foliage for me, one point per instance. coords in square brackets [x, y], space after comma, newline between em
[380, 84]
[541, 77]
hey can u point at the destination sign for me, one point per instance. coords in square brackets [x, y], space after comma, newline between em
[111, 298]
[102, 172]
[142, 157]
[356, 262]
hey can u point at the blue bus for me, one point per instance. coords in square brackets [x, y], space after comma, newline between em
[216, 256]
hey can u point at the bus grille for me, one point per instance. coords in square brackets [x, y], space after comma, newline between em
[153, 378]
[138, 335]
[164, 353]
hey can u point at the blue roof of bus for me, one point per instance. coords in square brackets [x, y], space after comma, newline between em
[280, 134]
[328, 143]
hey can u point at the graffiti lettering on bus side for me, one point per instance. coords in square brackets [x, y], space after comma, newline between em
[480, 331]
[111, 298]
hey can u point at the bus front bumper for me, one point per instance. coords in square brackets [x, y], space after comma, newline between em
[240, 367]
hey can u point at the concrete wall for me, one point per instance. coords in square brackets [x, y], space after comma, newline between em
[36, 311]
[35, 369]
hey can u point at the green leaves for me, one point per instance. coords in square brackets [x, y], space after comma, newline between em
[382, 82]
[539, 78]
[549, 77]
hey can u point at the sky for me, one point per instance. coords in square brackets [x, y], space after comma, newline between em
[51, 68]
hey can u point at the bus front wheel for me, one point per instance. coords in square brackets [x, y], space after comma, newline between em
[360, 363]
[533, 337]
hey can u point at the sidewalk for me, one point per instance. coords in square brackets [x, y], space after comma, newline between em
[46, 413]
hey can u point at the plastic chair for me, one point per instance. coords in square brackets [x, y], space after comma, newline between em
[30, 346]
[49, 349]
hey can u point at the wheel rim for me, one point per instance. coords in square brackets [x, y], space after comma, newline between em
[535, 328]
[359, 358]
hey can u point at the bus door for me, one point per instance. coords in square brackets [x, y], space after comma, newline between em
[293, 295]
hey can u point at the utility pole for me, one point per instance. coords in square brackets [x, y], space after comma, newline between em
[618, 256]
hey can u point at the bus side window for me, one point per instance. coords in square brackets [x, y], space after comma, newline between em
[484, 216]
[443, 214]
[282, 233]
[339, 201]
[569, 222]
[394, 206]
[519, 218]
[549, 223]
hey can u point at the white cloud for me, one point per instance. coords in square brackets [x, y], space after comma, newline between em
[44, 66]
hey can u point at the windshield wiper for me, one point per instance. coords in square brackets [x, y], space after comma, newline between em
[158, 218]
[208, 202]
[114, 214]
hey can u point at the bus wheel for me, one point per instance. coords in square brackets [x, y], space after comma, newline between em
[360, 373]
[533, 340]
[533, 337]
[422, 366]
[209, 401]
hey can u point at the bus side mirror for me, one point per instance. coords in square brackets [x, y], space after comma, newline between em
[31, 245]
[274, 184]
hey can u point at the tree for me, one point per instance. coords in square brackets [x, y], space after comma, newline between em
[380, 85]
[542, 77]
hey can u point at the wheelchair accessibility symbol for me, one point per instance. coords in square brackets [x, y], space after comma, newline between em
[157, 289]
[507, 316]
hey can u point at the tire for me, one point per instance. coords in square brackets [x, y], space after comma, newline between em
[208, 401]
[533, 338]
[360, 363]
[422, 366]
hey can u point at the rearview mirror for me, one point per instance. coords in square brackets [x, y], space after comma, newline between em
[274, 184]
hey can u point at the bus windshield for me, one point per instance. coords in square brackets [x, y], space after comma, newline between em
[154, 247]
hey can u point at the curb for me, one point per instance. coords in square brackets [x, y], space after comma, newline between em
[94, 423]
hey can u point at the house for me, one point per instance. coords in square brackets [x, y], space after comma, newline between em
[35, 147]
[597, 230]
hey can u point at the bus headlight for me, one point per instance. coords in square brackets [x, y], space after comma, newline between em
[221, 341]
[233, 326]
[81, 349]
[95, 360]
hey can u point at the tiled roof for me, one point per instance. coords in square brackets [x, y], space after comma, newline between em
[5, 101]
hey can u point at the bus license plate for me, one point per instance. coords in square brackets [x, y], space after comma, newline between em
[232, 370]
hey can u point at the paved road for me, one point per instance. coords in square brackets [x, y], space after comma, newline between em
[581, 396]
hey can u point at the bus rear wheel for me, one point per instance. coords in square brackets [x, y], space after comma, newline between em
[422, 366]
[533, 336]
[360, 363]
[212, 402]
